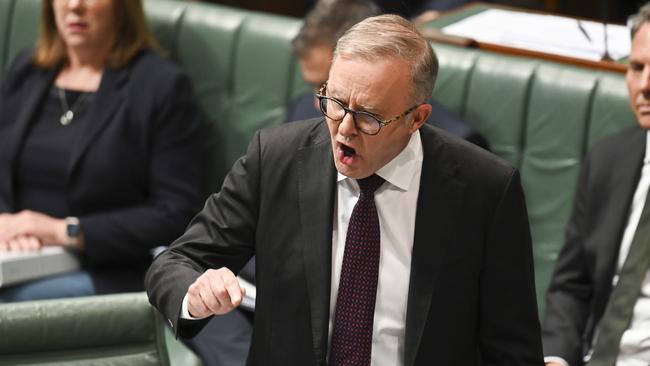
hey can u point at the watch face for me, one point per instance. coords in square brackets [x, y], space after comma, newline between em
[72, 230]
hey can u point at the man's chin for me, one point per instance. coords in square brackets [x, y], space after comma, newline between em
[354, 174]
[348, 171]
[644, 121]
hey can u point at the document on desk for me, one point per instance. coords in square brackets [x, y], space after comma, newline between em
[544, 33]
[18, 267]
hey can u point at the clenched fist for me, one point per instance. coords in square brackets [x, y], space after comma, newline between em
[216, 291]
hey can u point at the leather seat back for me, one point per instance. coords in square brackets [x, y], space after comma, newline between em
[100, 330]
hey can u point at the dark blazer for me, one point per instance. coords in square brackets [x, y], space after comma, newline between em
[471, 293]
[137, 174]
[303, 108]
[582, 281]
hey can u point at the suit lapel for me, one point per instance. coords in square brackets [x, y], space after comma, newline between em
[316, 190]
[106, 102]
[37, 87]
[438, 211]
[625, 178]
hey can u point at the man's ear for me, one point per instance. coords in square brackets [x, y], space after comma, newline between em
[420, 116]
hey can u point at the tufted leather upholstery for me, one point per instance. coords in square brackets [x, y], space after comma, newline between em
[542, 117]
[98, 330]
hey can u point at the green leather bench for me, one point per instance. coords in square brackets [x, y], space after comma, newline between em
[539, 115]
[105, 330]
[241, 63]
[542, 117]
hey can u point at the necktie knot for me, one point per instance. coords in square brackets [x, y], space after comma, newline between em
[369, 185]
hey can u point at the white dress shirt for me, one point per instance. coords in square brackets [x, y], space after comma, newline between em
[396, 202]
[635, 342]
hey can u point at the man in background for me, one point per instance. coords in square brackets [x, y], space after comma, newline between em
[598, 302]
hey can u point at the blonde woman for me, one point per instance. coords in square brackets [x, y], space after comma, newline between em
[101, 148]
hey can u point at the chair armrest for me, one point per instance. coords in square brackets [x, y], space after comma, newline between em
[120, 328]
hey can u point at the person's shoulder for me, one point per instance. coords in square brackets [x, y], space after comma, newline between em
[21, 67]
[462, 151]
[294, 136]
[308, 128]
[616, 141]
[150, 58]
[302, 108]
[610, 150]
[471, 164]
[24, 58]
[449, 121]
[154, 78]
[149, 65]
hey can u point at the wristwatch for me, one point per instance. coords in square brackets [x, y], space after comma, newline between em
[72, 231]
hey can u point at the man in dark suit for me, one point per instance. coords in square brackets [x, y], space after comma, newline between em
[378, 239]
[598, 303]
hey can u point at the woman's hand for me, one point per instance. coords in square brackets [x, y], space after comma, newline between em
[24, 243]
[26, 228]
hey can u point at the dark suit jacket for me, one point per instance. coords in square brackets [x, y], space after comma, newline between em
[582, 281]
[471, 293]
[303, 108]
[136, 176]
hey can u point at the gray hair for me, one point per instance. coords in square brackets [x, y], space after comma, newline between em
[393, 36]
[637, 20]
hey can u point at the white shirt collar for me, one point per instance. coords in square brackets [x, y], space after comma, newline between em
[400, 171]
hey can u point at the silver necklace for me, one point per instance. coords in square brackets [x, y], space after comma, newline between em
[68, 111]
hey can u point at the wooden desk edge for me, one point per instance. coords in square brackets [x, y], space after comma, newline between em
[436, 35]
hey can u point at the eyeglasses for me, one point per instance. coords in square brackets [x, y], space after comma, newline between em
[365, 122]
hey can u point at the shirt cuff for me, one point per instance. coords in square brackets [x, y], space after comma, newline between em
[556, 359]
[248, 302]
[185, 314]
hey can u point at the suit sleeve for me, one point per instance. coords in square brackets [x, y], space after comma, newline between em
[221, 235]
[177, 183]
[509, 326]
[567, 300]
[11, 87]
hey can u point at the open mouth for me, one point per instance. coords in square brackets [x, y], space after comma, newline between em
[347, 150]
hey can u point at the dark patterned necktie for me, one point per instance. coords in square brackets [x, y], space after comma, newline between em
[618, 313]
[355, 302]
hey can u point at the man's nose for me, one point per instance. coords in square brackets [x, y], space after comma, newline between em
[644, 81]
[347, 127]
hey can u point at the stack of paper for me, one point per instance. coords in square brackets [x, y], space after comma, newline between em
[22, 266]
[544, 33]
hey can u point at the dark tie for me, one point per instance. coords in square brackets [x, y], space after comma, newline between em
[355, 302]
[618, 313]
